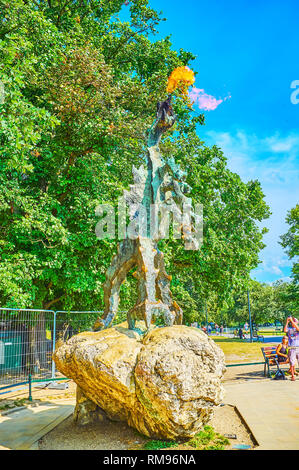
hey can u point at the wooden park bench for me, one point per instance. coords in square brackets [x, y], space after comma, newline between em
[270, 356]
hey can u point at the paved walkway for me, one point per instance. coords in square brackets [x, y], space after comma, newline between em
[271, 410]
[22, 429]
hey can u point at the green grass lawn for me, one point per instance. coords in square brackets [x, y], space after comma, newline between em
[237, 350]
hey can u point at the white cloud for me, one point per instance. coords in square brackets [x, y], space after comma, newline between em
[288, 144]
[274, 161]
[273, 264]
[283, 279]
[276, 270]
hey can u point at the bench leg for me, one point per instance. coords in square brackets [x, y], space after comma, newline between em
[269, 374]
[267, 366]
[266, 369]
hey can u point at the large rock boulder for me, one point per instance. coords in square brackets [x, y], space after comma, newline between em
[164, 383]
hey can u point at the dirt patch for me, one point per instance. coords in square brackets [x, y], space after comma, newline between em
[105, 435]
[227, 420]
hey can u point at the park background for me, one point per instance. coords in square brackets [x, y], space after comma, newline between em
[81, 82]
[79, 85]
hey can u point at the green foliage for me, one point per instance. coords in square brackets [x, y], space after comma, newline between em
[8, 404]
[268, 303]
[262, 305]
[157, 444]
[288, 298]
[81, 87]
[290, 240]
[208, 439]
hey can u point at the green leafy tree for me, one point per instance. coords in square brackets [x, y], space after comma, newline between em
[262, 304]
[72, 124]
[286, 296]
[290, 240]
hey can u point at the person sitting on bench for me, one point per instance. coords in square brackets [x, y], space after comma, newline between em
[282, 350]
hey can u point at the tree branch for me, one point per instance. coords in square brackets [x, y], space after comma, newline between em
[52, 302]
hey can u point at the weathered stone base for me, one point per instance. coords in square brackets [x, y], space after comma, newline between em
[86, 411]
[165, 383]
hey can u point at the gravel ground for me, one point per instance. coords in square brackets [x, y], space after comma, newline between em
[108, 435]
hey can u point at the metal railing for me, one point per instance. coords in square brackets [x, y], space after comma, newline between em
[26, 344]
[28, 338]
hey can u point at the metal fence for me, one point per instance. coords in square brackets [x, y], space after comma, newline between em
[28, 338]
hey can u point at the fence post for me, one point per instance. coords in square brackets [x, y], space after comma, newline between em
[250, 322]
[30, 389]
[54, 344]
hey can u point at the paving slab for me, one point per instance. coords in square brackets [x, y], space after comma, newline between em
[270, 408]
[22, 429]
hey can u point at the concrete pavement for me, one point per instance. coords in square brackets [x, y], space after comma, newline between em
[22, 429]
[270, 408]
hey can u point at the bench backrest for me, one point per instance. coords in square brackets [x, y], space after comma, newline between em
[269, 352]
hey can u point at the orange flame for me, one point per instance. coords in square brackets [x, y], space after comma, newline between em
[181, 78]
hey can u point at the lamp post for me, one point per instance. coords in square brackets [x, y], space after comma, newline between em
[250, 323]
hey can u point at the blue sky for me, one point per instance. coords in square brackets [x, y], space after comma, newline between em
[248, 50]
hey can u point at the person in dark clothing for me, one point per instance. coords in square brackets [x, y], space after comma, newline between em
[241, 334]
[282, 350]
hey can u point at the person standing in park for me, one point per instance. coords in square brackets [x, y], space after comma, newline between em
[291, 328]
[241, 334]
